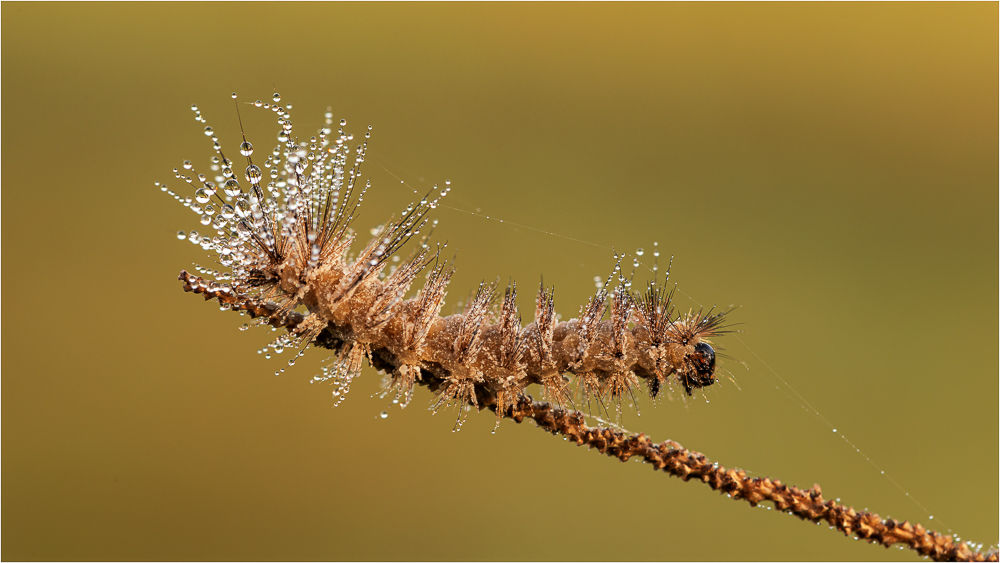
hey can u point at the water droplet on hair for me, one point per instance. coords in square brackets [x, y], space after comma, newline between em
[231, 187]
[201, 195]
[253, 174]
[246, 149]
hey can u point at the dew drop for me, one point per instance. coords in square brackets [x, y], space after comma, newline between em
[834, 429]
[639, 251]
[231, 187]
[383, 414]
[234, 95]
[181, 235]
[201, 195]
[246, 149]
[276, 97]
[253, 174]
[209, 132]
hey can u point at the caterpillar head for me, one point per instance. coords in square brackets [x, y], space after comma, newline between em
[696, 367]
[699, 368]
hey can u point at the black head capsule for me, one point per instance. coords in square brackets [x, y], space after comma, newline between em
[703, 362]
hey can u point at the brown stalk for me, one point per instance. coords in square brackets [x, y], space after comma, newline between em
[275, 315]
[808, 504]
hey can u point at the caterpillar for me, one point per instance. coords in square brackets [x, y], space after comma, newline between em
[287, 245]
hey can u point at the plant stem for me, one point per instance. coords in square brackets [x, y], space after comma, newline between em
[808, 504]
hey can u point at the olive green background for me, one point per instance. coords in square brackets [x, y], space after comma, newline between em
[831, 169]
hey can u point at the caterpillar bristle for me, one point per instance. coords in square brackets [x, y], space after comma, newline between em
[542, 332]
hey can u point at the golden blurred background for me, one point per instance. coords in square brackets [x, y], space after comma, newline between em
[831, 169]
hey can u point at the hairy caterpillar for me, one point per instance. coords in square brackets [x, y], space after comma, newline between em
[289, 247]
[288, 241]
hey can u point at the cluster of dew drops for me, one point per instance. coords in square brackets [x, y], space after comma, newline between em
[230, 211]
[601, 283]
